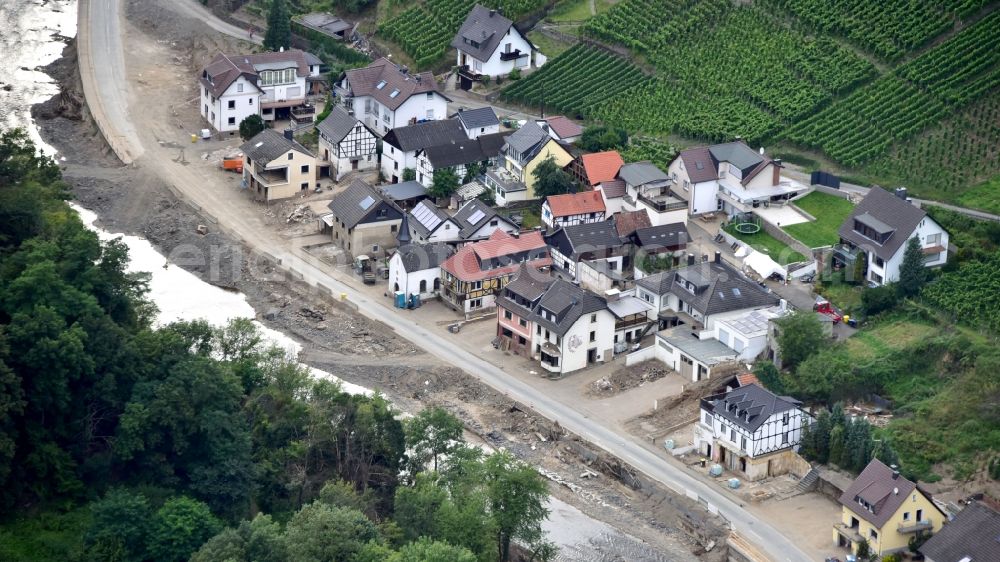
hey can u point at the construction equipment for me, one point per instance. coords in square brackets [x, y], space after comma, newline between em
[363, 265]
[824, 307]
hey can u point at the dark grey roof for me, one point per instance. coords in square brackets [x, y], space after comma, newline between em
[883, 210]
[881, 489]
[641, 173]
[527, 138]
[662, 236]
[464, 151]
[484, 26]
[311, 59]
[479, 117]
[419, 257]
[403, 190]
[269, 144]
[973, 535]
[426, 217]
[718, 287]
[337, 125]
[657, 283]
[572, 241]
[749, 406]
[422, 135]
[736, 153]
[529, 282]
[356, 202]
[471, 211]
[568, 303]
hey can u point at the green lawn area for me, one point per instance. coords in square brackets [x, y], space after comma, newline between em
[845, 296]
[985, 196]
[764, 242]
[829, 210]
[548, 46]
[570, 10]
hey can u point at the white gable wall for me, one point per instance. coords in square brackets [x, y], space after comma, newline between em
[409, 282]
[494, 66]
[218, 113]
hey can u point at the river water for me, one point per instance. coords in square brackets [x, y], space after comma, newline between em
[32, 35]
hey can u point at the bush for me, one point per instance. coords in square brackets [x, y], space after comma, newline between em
[251, 126]
[515, 74]
[879, 299]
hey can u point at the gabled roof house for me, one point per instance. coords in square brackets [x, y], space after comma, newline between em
[488, 44]
[385, 96]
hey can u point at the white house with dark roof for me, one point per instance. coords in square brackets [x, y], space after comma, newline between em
[402, 145]
[415, 269]
[880, 227]
[973, 535]
[573, 328]
[588, 242]
[751, 430]
[479, 121]
[729, 177]
[276, 166]
[385, 96]
[345, 144]
[459, 155]
[233, 87]
[489, 44]
[648, 188]
[473, 221]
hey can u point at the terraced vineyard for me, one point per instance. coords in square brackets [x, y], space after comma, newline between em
[425, 31]
[896, 107]
[578, 81]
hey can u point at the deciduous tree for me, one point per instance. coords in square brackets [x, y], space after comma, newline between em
[550, 179]
[251, 126]
[432, 432]
[445, 183]
[800, 335]
[179, 528]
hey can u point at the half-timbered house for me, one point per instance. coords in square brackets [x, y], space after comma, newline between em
[345, 144]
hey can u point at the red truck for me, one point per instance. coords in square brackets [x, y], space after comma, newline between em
[823, 306]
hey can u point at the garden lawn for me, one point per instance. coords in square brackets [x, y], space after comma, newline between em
[570, 11]
[764, 242]
[829, 210]
[985, 196]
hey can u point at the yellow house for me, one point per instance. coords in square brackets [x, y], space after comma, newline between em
[528, 147]
[275, 166]
[886, 510]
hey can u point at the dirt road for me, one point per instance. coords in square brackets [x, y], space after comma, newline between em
[151, 139]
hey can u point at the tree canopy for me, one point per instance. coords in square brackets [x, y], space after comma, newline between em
[800, 334]
[597, 138]
[912, 273]
[550, 179]
[444, 184]
[279, 27]
[251, 126]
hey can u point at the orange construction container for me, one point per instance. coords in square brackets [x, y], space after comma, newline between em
[233, 164]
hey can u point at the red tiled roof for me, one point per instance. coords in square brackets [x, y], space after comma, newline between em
[575, 203]
[601, 166]
[747, 378]
[627, 222]
[465, 264]
[699, 165]
[564, 127]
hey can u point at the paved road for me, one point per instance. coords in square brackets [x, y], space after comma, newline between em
[101, 22]
[199, 12]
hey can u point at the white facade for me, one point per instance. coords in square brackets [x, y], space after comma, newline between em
[930, 234]
[424, 282]
[394, 161]
[494, 66]
[425, 170]
[568, 265]
[592, 335]
[689, 366]
[781, 430]
[568, 220]
[225, 113]
[745, 332]
[476, 132]
[356, 151]
[422, 106]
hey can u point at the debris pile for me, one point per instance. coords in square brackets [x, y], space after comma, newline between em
[302, 213]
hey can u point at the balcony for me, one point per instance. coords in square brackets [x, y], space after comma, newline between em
[915, 526]
[269, 178]
[629, 322]
[512, 55]
[849, 533]
[662, 203]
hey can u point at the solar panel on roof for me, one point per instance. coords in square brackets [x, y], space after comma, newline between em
[476, 217]
[426, 217]
[366, 202]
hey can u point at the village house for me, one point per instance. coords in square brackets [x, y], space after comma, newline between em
[591, 169]
[478, 122]
[402, 145]
[886, 510]
[587, 243]
[660, 245]
[234, 87]
[729, 177]
[489, 44]
[972, 536]
[275, 166]
[572, 208]
[561, 129]
[479, 271]
[631, 318]
[879, 228]
[345, 145]
[752, 431]
[747, 334]
[415, 269]
[573, 328]
[524, 150]
[613, 192]
[648, 187]
[362, 220]
[699, 294]
[482, 151]
[627, 222]
[475, 220]
[506, 187]
[515, 308]
[693, 357]
[385, 96]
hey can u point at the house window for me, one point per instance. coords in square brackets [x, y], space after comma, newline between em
[920, 515]
[538, 330]
[743, 443]
[873, 534]
[476, 285]
[784, 438]
[291, 155]
[906, 516]
[593, 336]
[494, 222]
[593, 318]
[430, 95]
[395, 165]
[784, 419]
[507, 315]
[708, 419]
[305, 169]
[732, 435]
[430, 114]
[251, 101]
[476, 303]
[304, 186]
[232, 121]
[374, 247]
[522, 322]
[231, 104]
[394, 228]
[879, 261]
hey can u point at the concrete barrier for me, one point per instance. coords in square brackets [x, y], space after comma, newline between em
[644, 354]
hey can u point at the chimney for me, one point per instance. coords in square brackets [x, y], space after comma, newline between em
[776, 172]
[718, 257]
[895, 471]
[493, 13]
[288, 134]
[612, 295]
[901, 193]
[690, 259]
